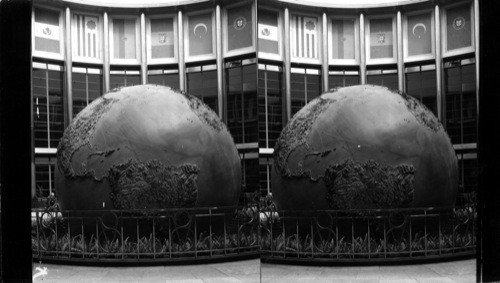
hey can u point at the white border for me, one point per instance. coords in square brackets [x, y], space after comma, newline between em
[421, 57]
[444, 44]
[203, 57]
[348, 62]
[156, 61]
[123, 61]
[62, 29]
[272, 56]
[225, 25]
[378, 61]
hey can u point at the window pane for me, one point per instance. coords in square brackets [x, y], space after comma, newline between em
[94, 86]
[250, 102]
[268, 32]
[469, 110]
[116, 81]
[250, 175]
[132, 80]
[270, 91]
[162, 38]
[381, 38]
[419, 35]
[56, 107]
[124, 38]
[343, 39]
[200, 34]
[234, 104]
[79, 85]
[204, 86]
[458, 27]
[391, 81]
[40, 108]
[298, 99]
[47, 31]
[44, 176]
[351, 80]
[171, 80]
[87, 36]
[304, 35]
[313, 87]
[239, 27]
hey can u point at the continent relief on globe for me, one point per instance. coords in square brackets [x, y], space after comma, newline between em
[364, 147]
[147, 147]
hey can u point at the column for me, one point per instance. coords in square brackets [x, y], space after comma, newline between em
[362, 49]
[287, 66]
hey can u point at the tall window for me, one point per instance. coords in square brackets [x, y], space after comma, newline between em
[341, 77]
[385, 77]
[305, 33]
[461, 101]
[200, 35]
[125, 40]
[166, 77]
[202, 83]
[343, 39]
[239, 29]
[48, 34]
[160, 39]
[86, 36]
[421, 84]
[305, 86]
[381, 40]
[271, 111]
[269, 34]
[87, 86]
[48, 104]
[124, 77]
[458, 29]
[241, 89]
[419, 36]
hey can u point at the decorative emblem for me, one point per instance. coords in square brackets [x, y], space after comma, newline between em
[381, 38]
[343, 38]
[123, 38]
[265, 32]
[310, 25]
[47, 31]
[419, 30]
[91, 25]
[200, 30]
[162, 38]
[240, 23]
[458, 23]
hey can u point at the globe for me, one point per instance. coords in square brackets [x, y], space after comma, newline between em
[364, 147]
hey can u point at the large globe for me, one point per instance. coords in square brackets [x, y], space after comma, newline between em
[364, 147]
[146, 147]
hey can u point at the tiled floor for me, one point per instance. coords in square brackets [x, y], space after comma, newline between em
[254, 271]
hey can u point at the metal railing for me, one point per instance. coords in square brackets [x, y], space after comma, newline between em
[147, 236]
[362, 236]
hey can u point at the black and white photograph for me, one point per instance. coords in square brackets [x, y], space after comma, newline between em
[249, 141]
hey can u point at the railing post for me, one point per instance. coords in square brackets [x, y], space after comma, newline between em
[425, 232]
[210, 229]
[225, 236]
[138, 239]
[195, 237]
[97, 237]
[154, 239]
[297, 235]
[369, 250]
[312, 237]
